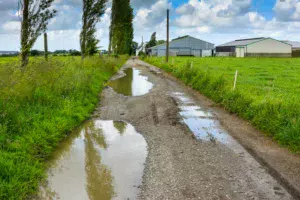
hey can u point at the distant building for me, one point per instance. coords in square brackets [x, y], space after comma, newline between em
[141, 48]
[295, 47]
[255, 47]
[184, 46]
[8, 53]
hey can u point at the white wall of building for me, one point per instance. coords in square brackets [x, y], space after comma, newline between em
[269, 46]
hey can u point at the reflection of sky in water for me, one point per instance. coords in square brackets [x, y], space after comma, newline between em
[104, 160]
[140, 84]
[193, 111]
[125, 156]
[132, 84]
[200, 122]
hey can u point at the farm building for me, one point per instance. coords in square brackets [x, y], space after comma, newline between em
[295, 47]
[255, 47]
[184, 46]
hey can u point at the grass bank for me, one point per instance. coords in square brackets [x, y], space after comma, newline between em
[37, 110]
[267, 93]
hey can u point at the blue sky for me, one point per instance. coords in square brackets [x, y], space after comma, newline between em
[216, 21]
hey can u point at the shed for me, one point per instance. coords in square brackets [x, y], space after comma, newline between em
[295, 47]
[184, 46]
[255, 47]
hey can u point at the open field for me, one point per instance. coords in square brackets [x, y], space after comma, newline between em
[267, 93]
[38, 108]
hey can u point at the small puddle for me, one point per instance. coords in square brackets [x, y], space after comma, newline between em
[200, 122]
[133, 84]
[103, 160]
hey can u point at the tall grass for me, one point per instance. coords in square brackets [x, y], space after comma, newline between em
[267, 94]
[37, 110]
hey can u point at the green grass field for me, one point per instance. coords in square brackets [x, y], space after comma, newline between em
[37, 110]
[267, 92]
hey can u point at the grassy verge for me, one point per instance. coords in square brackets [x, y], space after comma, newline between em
[38, 108]
[267, 93]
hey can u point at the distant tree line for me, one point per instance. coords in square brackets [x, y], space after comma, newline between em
[71, 52]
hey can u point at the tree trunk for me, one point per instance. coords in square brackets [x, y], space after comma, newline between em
[25, 35]
[109, 45]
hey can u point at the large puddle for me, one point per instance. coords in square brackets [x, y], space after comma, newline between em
[133, 84]
[200, 122]
[103, 160]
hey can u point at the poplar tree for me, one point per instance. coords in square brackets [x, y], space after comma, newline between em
[121, 28]
[152, 41]
[92, 11]
[35, 15]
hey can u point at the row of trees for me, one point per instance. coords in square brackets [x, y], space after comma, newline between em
[36, 14]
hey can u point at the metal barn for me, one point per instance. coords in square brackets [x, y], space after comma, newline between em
[184, 46]
[255, 47]
[295, 47]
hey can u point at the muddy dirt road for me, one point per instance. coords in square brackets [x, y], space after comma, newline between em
[179, 166]
[153, 138]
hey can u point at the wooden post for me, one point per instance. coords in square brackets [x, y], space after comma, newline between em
[235, 79]
[46, 45]
[167, 43]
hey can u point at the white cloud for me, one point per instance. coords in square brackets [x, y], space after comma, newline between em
[12, 27]
[287, 10]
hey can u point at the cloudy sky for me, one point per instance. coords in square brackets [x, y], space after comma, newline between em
[216, 21]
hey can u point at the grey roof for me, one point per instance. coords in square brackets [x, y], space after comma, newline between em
[295, 44]
[164, 44]
[176, 39]
[242, 42]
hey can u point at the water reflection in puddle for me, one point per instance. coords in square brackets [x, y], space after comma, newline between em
[133, 84]
[200, 122]
[104, 160]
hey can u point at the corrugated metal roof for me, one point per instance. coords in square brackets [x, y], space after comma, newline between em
[179, 38]
[242, 42]
[295, 44]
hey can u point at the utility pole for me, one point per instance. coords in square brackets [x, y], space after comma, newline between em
[46, 45]
[167, 43]
[143, 44]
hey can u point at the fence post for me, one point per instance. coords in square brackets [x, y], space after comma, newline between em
[235, 79]
[46, 46]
